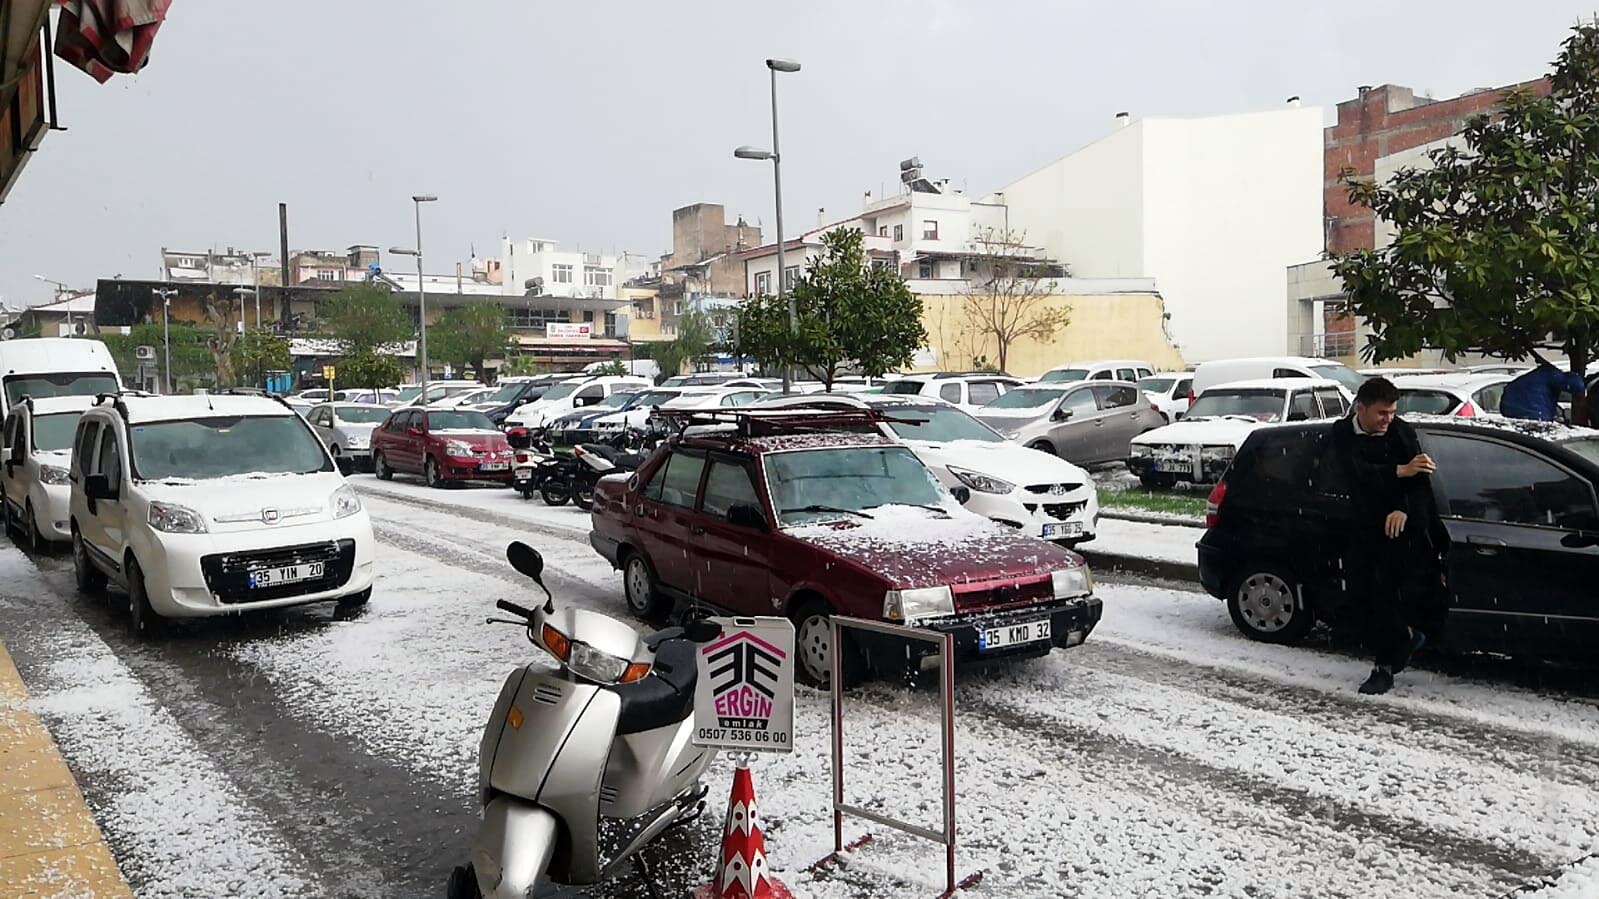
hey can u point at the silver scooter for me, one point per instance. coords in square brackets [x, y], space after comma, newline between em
[608, 736]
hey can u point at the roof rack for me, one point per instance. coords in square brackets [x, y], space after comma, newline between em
[765, 422]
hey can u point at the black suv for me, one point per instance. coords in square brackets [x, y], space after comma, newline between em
[1519, 502]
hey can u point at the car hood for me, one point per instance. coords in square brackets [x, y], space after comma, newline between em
[1001, 459]
[483, 440]
[910, 547]
[1010, 419]
[1209, 431]
[244, 502]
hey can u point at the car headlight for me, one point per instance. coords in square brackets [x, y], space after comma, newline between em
[345, 502]
[982, 483]
[52, 474]
[1214, 453]
[1138, 450]
[175, 519]
[458, 448]
[1071, 582]
[913, 605]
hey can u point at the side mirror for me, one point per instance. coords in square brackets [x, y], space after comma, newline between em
[414, 431]
[97, 486]
[702, 630]
[1061, 415]
[745, 515]
[527, 560]
[962, 494]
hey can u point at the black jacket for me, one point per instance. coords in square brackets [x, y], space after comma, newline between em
[1375, 489]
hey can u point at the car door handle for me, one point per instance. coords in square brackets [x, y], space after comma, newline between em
[1486, 546]
[696, 529]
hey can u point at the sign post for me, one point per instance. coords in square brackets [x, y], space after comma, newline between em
[744, 703]
[328, 372]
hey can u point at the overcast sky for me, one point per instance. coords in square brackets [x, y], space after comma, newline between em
[588, 122]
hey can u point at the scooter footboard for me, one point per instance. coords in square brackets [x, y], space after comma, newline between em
[514, 846]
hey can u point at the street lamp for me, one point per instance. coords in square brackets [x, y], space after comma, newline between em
[166, 335]
[421, 291]
[775, 155]
[255, 283]
[61, 288]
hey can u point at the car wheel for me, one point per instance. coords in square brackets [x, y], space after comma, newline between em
[1043, 446]
[430, 472]
[1158, 481]
[142, 619]
[1266, 607]
[554, 494]
[813, 643]
[380, 467]
[639, 587]
[90, 579]
[30, 525]
[8, 518]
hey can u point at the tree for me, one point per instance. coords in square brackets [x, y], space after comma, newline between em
[613, 367]
[850, 315]
[1496, 248]
[190, 354]
[258, 351]
[692, 345]
[520, 365]
[1009, 300]
[219, 312]
[469, 335]
[364, 317]
[368, 369]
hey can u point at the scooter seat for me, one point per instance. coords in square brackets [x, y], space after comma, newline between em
[663, 698]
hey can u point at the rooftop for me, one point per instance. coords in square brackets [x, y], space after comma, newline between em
[178, 408]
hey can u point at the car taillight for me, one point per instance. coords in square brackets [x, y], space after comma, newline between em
[1154, 408]
[1466, 410]
[1213, 503]
[1190, 396]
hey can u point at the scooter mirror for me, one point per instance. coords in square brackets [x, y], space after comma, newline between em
[702, 630]
[527, 560]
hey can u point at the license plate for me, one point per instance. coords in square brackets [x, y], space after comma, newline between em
[494, 466]
[288, 574]
[1013, 634]
[1068, 529]
[1174, 466]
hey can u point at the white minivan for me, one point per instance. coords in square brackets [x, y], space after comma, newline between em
[55, 366]
[38, 439]
[1263, 368]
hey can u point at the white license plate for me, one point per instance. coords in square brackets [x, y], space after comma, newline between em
[1013, 634]
[1174, 466]
[494, 466]
[288, 574]
[1068, 529]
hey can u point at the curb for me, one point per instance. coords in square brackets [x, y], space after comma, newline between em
[1155, 568]
[1176, 522]
[49, 842]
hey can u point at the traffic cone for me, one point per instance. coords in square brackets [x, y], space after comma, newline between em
[741, 870]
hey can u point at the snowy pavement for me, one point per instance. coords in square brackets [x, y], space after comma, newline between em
[302, 755]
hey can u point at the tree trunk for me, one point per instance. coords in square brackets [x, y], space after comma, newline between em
[1003, 352]
[1582, 403]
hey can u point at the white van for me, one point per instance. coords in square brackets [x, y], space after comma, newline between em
[1260, 368]
[55, 366]
[1098, 370]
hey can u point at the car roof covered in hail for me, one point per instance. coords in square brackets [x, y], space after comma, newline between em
[1467, 382]
[1269, 384]
[721, 436]
[187, 408]
[1552, 431]
[52, 404]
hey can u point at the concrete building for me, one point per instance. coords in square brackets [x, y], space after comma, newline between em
[542, 267]
[1213, 209]
[704, 261]
[332, 266]
[212, 267]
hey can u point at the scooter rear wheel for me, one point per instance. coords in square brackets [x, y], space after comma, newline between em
[554, 494]
[583, 498]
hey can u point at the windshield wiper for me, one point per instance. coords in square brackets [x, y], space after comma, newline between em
[943, 512]
[816, 508]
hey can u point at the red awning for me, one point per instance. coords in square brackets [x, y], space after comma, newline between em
[104, 37]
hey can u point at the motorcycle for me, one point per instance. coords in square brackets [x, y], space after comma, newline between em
[575, 477]
[607, 737]
[534, 467]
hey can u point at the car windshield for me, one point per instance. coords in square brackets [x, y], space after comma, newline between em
[1343, 374]
[614, 401]
[1025, 398]
[1155, 385]
[650, 398]
[205, 448]
[1063, 374]
[560, 391]
[809, 485]
[406, 395]
[937, 424]
[54, 431]
[445, 420]
[1261, 405]
[1587, 447]
[42, 385]
[903, 386]
[504, 394]
[362, 415]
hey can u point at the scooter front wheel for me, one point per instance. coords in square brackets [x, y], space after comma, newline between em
[554, 494]
[463, 884]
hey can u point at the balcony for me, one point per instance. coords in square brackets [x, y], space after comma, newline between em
[1336, 345]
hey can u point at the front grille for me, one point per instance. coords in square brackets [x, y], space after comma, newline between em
[1009, 594]
[227, 575]
[1057, 510]
[1046, 488]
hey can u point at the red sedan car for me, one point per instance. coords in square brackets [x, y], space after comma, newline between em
[810, 514]
[442, 445]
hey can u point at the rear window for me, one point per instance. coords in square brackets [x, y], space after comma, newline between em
[1063, 374]
[48, 384]
[1587, 448]
[1280, 460]
[1425, 402]
[1025, 398]
[1343, 374]
[1155, 385]
[903, 385]
[1259, 404]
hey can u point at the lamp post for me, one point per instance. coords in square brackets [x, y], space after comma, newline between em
[61, 288]
[775, 155]
[166, 334]
[255, 283]
[421, 290]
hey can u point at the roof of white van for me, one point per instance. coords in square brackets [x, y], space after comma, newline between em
[177, 408]
[1292, 360]
[1273, 384]
[63, 354]
[1095, 363]
[50, 405]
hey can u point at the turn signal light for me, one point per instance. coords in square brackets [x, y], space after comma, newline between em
[634, 673]
[556, 642]
[514, 718]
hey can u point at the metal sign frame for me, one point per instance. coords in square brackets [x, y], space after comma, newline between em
[946, 691]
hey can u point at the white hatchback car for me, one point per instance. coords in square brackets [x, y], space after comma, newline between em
[212, 505]
[38, 440]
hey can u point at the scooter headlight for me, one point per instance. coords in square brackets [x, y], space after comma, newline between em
[603, 668]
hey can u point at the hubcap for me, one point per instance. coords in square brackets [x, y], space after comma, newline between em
[1266, 602]
[638, 584]
[816, 647]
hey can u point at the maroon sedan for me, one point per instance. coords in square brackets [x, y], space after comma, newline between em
[773, 513]
[442, 445]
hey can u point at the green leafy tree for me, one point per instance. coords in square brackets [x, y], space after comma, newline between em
[521, 365]
[364, 318]
[258, 351]
[850, 316]
[368, 369]
[694, 344]
[613, 367]
[191, 357]
[468, 336]
[1496, 247]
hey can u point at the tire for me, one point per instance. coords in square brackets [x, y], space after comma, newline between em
[640, 588]
[583, 498]
[813, 644]
[142, 619]
[380, 467]
[463, 884]
[353, 602]
[553, 494]
[8, 518]
[1043, 446]
[431, 474]
[1158, 481]
[1265, 606]
[30, 526]
[90, 580]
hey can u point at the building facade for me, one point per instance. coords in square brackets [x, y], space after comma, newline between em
[704, 261]
[212, 267]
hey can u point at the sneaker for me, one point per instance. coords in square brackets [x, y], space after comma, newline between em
[1417, 641]
[1380, 682]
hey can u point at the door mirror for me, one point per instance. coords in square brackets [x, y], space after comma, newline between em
[414, 431]
[527, 560]
[745, 515]
[702, 630]
[1061, 414]
[963, 495]
[98, 486]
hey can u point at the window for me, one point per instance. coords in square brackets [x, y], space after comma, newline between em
[1288, 373]
[924, 270]
[1260, 404]
[899, 233]
[1161, 386]
[110, 463]
[903, 385]
[882, 230]
[681, 483]
[1426, 402]
[883, 264]
[1126, 374]
[1487, 399]
[561, 274]
[1115, 397]
[728, 484]
[929, 230]
[1027, 398]
[982, 392]
[1183, 387]
[80, 454]
[1103, 374]
[589, 395]
[790, 276]
[1302, 406]
[595, 276]
[321, 417]
[858, 478]
[950, 392]
[39, 386]
[1490, 481]
[1284, 459]
[1079, 402]
[940, 424]
[763, 284]
[536, 319]
[1333, 404]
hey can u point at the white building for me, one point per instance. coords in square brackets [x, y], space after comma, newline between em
[1211, 208]
[210, 266]
[565, 274]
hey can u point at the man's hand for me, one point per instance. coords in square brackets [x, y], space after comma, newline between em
[1395, 524]
[1422, 464]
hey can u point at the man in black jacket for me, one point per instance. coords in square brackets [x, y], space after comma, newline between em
[1394, 551]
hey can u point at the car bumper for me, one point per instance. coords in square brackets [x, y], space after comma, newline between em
[1213, 570]
[1071, 621]
[1186, 467]
[1072, 517]
[608, 547]
[182, 578]
[53, 506]
[454, 469]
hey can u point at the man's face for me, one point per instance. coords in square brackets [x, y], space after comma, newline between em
[1374, 419]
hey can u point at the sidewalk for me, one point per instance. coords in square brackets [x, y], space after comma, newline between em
[49, 843]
